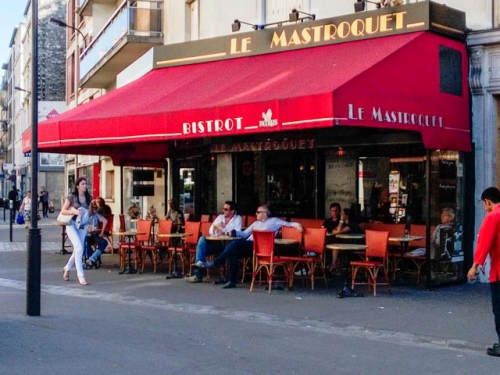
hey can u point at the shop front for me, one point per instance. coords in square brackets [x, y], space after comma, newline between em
[369, 110]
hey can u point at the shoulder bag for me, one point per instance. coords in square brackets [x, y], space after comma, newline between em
[64, 219]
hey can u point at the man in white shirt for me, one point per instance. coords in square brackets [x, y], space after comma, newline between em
[244, 246]
[223, 224]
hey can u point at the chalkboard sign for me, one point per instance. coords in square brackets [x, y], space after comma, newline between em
[340, 181]
[447, 169]
[447, 192]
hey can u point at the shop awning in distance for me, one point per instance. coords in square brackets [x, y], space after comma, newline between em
[415, 82]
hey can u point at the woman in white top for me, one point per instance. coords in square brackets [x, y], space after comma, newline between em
[25, 208]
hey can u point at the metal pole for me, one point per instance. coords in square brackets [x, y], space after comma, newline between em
[33, 264]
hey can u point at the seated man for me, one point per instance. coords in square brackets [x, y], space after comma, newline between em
[224, 223]
[345, 225]
[96, 226]
[244, 246]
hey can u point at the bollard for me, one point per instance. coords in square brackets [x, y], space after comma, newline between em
[11, 208]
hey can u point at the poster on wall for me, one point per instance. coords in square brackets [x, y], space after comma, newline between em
[394, 183]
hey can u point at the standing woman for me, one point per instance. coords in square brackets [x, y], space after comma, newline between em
[25, 208]
[73, 205]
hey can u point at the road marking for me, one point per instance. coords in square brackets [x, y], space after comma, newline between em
[393, 337]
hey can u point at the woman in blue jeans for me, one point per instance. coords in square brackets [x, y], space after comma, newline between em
[77, 203]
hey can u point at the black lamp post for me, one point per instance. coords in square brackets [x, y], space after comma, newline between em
[33, 263]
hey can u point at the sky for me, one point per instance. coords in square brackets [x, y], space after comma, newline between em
[11, 14]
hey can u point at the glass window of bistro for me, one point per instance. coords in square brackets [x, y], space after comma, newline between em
[381, 176]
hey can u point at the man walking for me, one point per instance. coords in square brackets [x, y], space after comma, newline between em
[488, 243]
[44, 200]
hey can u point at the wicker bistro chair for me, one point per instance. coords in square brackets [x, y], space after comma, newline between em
[187, 251]
[164, 227]
[313, 256]
[143, 226]
[377, 259]
[108, 232]
[264, 258]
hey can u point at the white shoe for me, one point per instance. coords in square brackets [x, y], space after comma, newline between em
[303, 272]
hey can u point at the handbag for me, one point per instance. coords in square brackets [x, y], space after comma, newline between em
[20, 218]
[64, 219]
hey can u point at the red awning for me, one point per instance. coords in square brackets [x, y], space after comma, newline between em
[390, 82]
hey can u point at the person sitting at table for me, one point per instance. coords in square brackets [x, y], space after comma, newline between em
[174, 214]
[223, 224]
[244, 247]
[345, 225]
[331, 223]
[102, 207]
[96, 225]
[133, 211]
[447, 221]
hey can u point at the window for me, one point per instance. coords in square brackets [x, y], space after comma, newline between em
[109, 185]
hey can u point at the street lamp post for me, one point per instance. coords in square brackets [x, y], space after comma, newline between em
[33, 263]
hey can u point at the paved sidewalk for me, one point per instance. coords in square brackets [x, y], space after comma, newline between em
[21, 246]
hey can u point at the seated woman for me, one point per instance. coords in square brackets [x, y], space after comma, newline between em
[95, 233]
[345, 225]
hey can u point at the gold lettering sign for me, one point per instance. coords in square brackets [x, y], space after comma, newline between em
[277, 145]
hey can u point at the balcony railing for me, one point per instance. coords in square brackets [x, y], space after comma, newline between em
[143, 19]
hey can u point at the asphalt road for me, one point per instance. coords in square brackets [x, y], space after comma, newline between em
[145, 324]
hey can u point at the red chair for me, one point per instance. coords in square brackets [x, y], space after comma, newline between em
[250, 220]
[377, 259]
[187, 251]
[164, 227]
[205, 218]
[314, 254]
[143, 226]
[204, 228]
[108, 231]
[263, 257]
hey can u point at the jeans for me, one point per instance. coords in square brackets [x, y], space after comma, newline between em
[203, 249]
[234, 251]
[495, 302]
[77, 238]
[101, 245]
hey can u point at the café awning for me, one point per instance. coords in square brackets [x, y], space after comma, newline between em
[395, 82]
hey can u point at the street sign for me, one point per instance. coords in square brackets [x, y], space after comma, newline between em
[27, 154]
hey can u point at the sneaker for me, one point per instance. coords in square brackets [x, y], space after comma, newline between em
[193, 279]
[89, 263]
[201, 264]
[303, 272]
[494, 351]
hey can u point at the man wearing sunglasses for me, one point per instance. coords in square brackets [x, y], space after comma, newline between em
[226, 222]
[244, 247]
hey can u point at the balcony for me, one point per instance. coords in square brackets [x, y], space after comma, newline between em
[130, 32]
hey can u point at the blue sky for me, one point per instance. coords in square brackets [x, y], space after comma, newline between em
[11, 14]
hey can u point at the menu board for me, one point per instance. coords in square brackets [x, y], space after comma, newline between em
[447, 187]
[340, 181]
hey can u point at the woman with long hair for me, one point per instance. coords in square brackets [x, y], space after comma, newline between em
[77, 203]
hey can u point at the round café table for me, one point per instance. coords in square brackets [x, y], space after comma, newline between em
[344, 248]
[404, 243]
[176, 236]
[129, 234]
[224, 240]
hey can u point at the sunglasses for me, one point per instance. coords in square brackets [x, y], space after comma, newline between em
[260, 212]
[226, 209]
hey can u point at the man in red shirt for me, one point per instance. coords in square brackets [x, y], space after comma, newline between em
[488, 242]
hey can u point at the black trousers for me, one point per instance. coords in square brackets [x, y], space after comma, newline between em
[45, 208]
[495, 302]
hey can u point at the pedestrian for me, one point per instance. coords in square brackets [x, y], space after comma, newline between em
[25, 208]
[44, 200]
[488, 243]
[77, 203]
[13, 196]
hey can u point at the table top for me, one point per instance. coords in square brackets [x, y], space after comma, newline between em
[405, 239]
[128, 233]
[346, 246]
[347, 236]
[221, 238]
[174, 235]
[285, 241]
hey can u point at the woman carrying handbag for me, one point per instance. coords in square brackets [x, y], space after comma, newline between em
[25, 208]
[77, 203]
